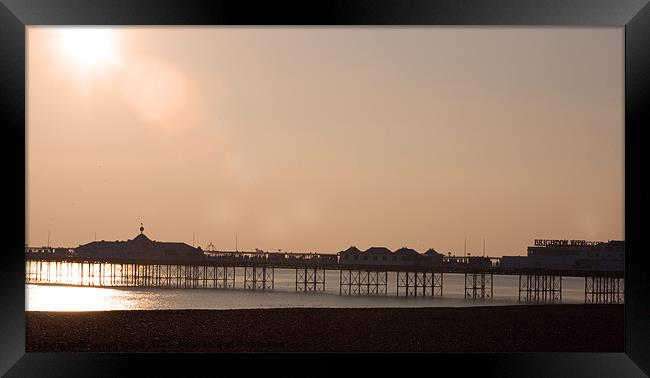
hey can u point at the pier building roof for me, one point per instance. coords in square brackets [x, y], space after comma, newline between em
[433, 252]
[140, 246]
[378, 251]
[406, 251]
[351, 250]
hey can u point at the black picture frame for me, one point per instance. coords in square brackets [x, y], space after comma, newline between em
[633, 15]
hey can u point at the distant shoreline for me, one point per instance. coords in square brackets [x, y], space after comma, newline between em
[531, 328]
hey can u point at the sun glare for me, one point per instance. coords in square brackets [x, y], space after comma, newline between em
[89, 46]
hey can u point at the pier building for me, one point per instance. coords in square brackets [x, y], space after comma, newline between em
[139, 247]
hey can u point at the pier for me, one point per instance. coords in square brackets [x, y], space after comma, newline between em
[256, 271]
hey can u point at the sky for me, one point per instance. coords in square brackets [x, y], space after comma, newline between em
[316, 139]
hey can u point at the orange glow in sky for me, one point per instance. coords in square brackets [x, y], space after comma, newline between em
[315, 139]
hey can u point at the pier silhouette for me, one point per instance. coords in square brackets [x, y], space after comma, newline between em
[255, 271]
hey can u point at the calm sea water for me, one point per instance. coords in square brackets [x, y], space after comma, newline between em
[68, 298]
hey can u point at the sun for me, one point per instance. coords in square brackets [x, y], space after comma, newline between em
[89, 46]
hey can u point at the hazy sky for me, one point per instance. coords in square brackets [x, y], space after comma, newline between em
[315, 139]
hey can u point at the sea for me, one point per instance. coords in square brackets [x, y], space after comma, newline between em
[43, 297]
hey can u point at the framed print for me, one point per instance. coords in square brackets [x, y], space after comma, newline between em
[422, 177]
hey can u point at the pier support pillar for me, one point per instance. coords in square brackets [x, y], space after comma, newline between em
[604, 290]
[258, 278]
[224, 277]
[540, 288]
[479, 285]
[363, 282]
[419, 284]
[310, 279]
